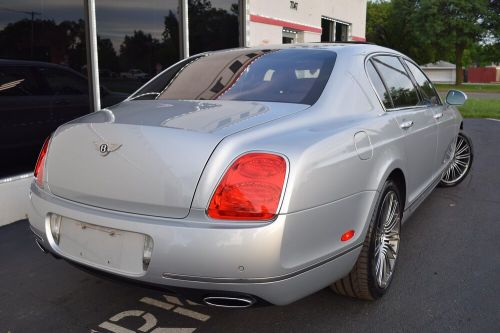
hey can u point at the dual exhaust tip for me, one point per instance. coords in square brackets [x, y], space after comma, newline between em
[233, 302]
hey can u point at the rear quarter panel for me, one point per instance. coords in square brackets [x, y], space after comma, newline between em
[329, 189]
[318, 142]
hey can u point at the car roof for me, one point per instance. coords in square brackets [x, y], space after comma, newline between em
[30, 63]
[347, 48]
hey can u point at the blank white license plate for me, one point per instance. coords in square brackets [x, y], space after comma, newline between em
[117, 249]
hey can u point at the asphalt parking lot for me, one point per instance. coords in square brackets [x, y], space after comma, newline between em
[448, 277]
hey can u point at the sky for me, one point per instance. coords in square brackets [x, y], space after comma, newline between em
[115, 18]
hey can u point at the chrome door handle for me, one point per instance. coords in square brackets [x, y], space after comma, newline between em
[406, 124]
[438, 115]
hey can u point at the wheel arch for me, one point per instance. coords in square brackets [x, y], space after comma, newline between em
[398, 177]
[396, 172]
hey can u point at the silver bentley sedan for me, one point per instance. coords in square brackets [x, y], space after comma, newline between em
[253, 175]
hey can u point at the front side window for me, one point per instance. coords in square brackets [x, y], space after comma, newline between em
[63, 82]
[287, 75]
[403, 92]
[429, 94]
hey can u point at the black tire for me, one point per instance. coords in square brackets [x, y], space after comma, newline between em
[361, 282]
[457, 180]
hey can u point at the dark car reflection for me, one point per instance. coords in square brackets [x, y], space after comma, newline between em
[35, 98]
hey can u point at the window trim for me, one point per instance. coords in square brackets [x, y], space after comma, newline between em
[375, 54]
[425, 75]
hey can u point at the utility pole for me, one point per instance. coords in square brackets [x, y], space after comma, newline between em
[32, 14]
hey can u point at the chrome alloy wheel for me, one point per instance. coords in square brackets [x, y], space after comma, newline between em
[460, 164]
[387, 239]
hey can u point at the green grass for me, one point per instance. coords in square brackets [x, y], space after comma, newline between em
[481, 108]
[470, 87]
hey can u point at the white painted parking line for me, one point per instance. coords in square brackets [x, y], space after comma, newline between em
[192, 303]
[173, 300]
[493, 119]
[130, 313]
[192, 314]
[150, 322]
[160, 304]
[115, 328]
[173, 330]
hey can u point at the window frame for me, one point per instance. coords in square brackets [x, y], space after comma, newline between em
[186, 62]
[412, 79]
[406, 59]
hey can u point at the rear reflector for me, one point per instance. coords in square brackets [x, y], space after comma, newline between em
[40, 162]
[347, 235]
[251, 188]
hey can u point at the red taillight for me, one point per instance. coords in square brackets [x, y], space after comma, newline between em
[347, 235]
[40, 162]
[250, 189]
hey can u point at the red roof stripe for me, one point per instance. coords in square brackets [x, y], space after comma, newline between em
[284, 24]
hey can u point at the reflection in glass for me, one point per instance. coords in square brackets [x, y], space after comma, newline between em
[287, 75]
[136, 40]
[42, 52]
[403, 92]
[213, 25]
[429, 94]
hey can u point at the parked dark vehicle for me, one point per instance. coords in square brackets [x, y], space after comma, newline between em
[35, 98]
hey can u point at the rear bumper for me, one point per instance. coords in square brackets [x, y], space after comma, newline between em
[279, 262]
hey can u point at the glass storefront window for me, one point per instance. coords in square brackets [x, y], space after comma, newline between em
[213, 25]
[136, 40]
[43, 60]
[42, 76]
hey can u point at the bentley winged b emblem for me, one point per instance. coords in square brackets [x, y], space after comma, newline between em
[105, 147]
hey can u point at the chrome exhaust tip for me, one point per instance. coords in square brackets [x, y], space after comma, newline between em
[239, 302]
[40, 246]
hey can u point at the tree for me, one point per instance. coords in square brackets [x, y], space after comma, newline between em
[451, 26]
[377, 19]
[391, 24]
[107, 54]
[139, 51]
[207, 24]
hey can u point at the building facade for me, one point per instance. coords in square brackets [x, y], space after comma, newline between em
[283, 21]
[62, 59]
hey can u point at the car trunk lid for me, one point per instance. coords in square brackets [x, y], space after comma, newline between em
[156, 152]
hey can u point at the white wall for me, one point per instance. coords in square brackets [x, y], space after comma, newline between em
[350, 11]
[14, 200]
[441, 75]
[262, 34]
[309, 13]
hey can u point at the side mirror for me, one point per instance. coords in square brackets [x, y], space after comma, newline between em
[456, 97]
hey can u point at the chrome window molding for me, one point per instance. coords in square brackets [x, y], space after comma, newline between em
[432, 84]
[399, 56]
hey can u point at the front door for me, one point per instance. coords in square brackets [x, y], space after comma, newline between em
[445, 119]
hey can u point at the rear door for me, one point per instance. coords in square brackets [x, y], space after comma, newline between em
[446, 122]
[415, 119]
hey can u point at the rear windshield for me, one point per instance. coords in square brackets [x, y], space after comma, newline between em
[286, 75]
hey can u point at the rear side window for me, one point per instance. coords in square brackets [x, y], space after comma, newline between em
[429, 94]
[286, 75]
[401, 89]
[378, 85]
[19, 81]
